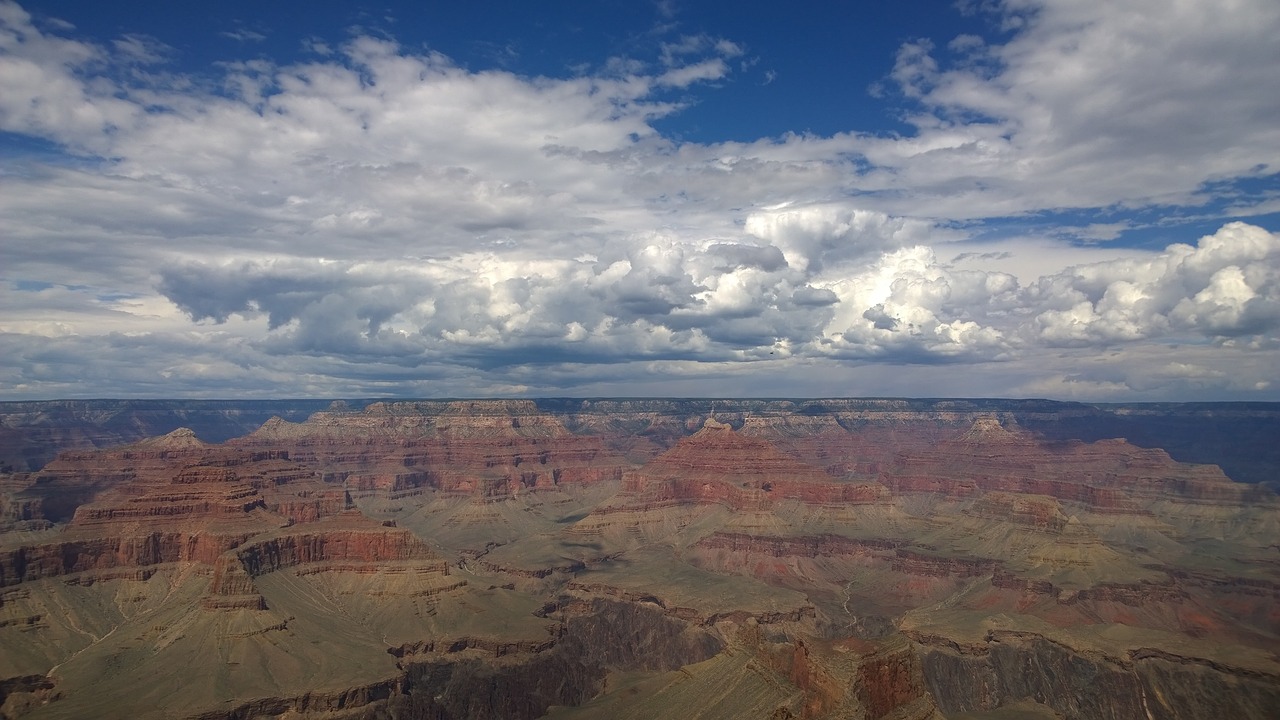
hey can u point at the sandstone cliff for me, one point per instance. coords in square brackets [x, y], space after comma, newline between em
[842, 558]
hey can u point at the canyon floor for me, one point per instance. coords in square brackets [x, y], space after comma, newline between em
[617, 559]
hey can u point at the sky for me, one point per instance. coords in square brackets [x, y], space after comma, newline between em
[1066, 199]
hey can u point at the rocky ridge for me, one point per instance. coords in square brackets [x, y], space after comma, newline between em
[628, 558]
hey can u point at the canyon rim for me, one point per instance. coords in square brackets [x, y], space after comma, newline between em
[634, 558]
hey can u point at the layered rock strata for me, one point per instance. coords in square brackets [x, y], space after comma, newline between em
[491, 449]
[877, 559]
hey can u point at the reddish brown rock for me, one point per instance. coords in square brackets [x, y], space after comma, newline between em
[487, 448]
[345, 544]
[355, 541]
[917, 563]
[891, 683]
[1109, 476]
[740, 471]
[176, 478]
[68, 556]
[944, 491]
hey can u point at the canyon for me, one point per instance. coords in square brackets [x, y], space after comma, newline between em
[638, 558]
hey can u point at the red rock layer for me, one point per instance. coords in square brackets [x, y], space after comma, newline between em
[346, 544]
[1108, 476]
[223, 483]
[176, 478]
[103, 553]
[367, 545]
[168, 499]
[487, 448]
[891, 683]
[741, 471]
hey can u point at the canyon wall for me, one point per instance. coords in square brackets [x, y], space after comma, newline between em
[632, 558]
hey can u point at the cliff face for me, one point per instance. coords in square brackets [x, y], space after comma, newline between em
[175, 477]
[486, 448]
[1235, 436]
[738, 470]
[1079, 684]
[1107, 476]
[346, 545]
[65, 557]
[33, 433]
[516, 682]
[175, 499]
[626, 559]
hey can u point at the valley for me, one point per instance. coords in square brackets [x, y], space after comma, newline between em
[576, 559]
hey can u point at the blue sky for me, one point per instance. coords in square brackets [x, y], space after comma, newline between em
[1043, 198]
[807, 69]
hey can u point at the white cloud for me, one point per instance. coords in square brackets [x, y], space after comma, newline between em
[908, 308]
[141, 49]
[244, 35]
[814, 236]
[1090, 104]
[378, 220]
[1228, 285]
[712, 69]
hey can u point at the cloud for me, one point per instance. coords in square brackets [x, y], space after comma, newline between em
[908, 308]
[814, 236]
[670, 300]
[243, 35]
[141, 49]
[1101, 103]
[1226, 286]
[712, 69]
[381, 220]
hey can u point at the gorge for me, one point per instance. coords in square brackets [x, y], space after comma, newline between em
[636, 558]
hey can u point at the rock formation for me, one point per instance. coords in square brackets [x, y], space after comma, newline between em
[894, 559]
[489, 448]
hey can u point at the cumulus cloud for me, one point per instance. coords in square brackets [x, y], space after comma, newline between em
[670, 301]
[907, 307]
[816, 235]
[377, 219]
[1228, 285]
